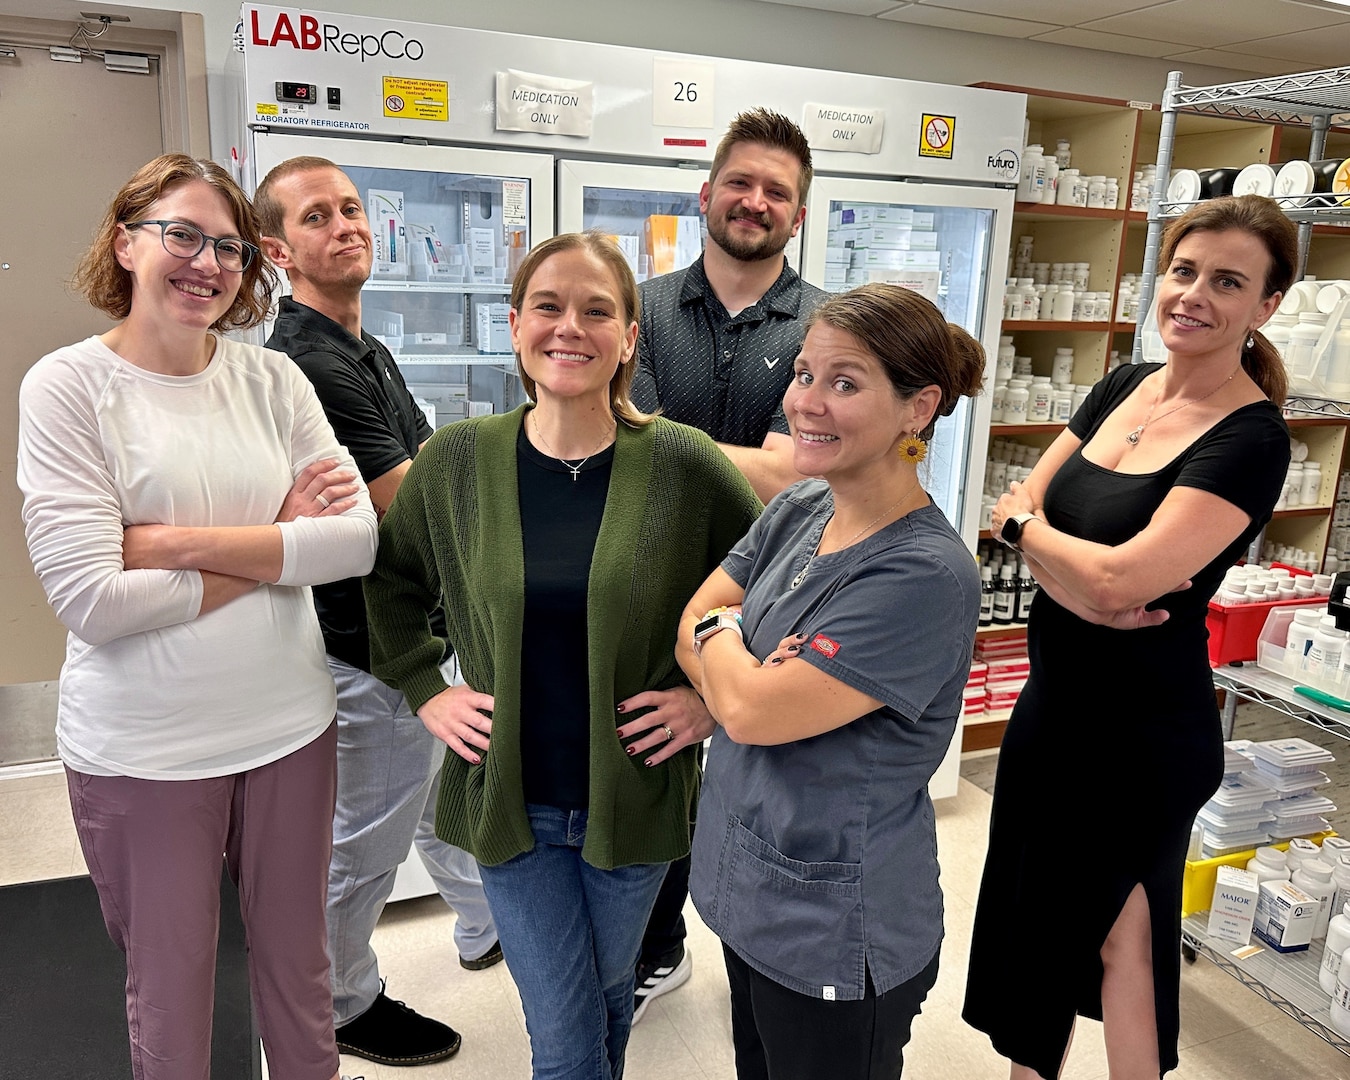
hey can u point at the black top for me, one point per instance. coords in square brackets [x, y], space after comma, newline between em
[559, 520]
[373, 415]
[725, 375]
[1242, 459]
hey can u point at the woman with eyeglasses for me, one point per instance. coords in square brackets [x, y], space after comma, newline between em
[181, 492]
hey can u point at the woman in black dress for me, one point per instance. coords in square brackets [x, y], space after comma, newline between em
[1128, 522]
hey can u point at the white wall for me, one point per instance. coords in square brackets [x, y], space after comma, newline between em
[745, 29]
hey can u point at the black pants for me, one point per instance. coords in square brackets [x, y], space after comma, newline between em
[780, 1034]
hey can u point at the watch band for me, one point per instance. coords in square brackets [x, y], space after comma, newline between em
[714, 624]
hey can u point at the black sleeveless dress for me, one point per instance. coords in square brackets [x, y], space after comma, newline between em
[1113, 746]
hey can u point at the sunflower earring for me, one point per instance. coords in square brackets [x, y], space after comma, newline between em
[912, 448]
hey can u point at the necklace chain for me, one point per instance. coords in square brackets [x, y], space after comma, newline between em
[573, 469]
[852, 539]
[1133, 437]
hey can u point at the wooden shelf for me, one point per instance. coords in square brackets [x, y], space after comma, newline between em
[1002, 631]
[1025, 429]
[1301, 511]
[1069, 326]
[1030, 211]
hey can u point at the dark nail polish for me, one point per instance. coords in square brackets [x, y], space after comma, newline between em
[621, 708]
[794, 648]
[776, 660]
[631, 751]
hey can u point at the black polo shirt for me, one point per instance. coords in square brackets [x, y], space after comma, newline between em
[705, 368]
[374, 416]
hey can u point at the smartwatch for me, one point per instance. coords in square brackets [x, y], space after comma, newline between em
[714, 624]
[1013, 528]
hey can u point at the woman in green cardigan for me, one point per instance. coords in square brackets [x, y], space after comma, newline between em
[562, 540]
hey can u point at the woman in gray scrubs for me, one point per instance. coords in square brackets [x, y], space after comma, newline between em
[832, 646]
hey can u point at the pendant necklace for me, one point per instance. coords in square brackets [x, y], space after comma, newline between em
[573, 469]
[849, 542]
[1133, 437]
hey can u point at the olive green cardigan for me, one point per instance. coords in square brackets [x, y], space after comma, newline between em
[452, 537]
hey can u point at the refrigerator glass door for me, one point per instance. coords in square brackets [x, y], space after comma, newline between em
[946, 243]
[651, 211]
[449, 225]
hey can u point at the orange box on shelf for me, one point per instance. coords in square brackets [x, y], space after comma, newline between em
[1233, 630]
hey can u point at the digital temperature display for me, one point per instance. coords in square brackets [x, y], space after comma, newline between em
[297, 92]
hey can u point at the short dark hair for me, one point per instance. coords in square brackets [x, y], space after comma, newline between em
[600, 246]
[770, 129]
[1262, 218]
[106, 284]
[271, 214]
[916, 346]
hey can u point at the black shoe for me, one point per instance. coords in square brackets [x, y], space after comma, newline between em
[653, 980]
[492, 956]
[393, 1034]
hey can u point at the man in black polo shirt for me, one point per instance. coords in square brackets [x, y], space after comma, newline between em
[315, 228]
[716, 346]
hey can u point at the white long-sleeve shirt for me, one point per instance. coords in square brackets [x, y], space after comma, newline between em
[149, 688]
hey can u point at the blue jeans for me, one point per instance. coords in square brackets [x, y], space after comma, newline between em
[571, 934]
[386, 765]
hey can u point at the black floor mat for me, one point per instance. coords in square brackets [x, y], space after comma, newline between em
[62, 988]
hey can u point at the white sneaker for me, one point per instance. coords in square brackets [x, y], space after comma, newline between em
[652, 982]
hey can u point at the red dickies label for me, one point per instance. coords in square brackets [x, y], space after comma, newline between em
[825, 646]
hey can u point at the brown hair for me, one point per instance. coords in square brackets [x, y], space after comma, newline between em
[768, 129]
[600, 246]
[917, 347]
[271, 214]
[1262, 218]
[106, 284]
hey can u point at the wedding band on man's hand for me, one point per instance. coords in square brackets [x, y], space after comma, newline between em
[322, 501]
[669, 734]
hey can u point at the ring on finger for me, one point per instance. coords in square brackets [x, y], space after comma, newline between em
[669, 734]
[322, 501]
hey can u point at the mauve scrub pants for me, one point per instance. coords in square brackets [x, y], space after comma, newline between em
[154, 849]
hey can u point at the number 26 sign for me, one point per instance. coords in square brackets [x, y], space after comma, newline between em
[682, 92]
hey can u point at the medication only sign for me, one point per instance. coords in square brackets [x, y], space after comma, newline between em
[837, 127]
[545, 104]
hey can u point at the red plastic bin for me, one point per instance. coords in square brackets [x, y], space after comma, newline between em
[1233, 630]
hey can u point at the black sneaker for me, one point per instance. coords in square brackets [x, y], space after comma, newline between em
[393, 1034]
[492, 956]
[653, 980]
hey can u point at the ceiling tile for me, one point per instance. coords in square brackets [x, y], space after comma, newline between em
[970, 21]
[1095, 39]
[1235, 61]
[1055, 12]
[848, 7]
[1311, 49]
[1198, 23]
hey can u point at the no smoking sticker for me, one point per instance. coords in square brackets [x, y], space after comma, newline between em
[937, 135]
[393, 103]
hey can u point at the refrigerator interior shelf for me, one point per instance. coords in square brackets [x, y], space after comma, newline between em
[436, 287]
[465, 359]
[1288, 981]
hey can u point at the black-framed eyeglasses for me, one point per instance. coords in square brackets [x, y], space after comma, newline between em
[186, 241]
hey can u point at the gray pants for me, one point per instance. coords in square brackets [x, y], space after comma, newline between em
[387, 763]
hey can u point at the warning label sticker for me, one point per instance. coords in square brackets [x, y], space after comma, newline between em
[416, 99]
[937, 135]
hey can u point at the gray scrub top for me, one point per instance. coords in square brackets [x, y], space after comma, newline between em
[816, 861]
